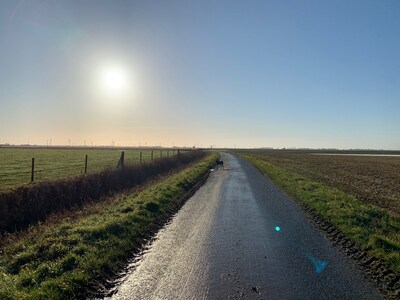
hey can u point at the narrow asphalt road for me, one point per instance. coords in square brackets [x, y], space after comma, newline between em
[240, 237]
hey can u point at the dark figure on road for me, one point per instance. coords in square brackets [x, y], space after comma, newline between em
[219, 163]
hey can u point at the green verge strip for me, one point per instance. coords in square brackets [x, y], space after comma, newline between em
[62, 261]
[371, 227]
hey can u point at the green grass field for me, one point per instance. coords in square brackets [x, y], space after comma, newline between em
[54, 163]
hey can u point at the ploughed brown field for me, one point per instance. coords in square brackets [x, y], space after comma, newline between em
[372, 179]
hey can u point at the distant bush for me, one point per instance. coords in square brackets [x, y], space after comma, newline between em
[26, 205]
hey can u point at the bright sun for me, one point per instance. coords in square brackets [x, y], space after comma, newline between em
[114, 80]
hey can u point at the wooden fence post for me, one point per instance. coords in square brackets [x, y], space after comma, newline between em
[161, 153]
[86, 160]
[33, 170]
[151, 155]
[140, 157]
[121, 162]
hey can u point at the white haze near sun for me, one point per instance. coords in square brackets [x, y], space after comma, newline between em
[114, 85]
[114, 80]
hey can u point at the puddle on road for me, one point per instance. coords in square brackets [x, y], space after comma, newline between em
[133, 263]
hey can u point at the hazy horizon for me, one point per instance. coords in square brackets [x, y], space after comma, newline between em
[127, 147]
[305, 74]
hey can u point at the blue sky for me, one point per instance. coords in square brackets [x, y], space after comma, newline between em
[224, 73]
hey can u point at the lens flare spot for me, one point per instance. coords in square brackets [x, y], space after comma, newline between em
[277, 228]
[319, 264]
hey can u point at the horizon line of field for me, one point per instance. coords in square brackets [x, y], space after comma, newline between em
[29, 170]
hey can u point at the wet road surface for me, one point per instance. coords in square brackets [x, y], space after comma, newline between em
[240, 237]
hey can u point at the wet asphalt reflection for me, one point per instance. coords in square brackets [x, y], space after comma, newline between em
[240, 237]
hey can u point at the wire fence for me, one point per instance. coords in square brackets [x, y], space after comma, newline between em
[24, 166]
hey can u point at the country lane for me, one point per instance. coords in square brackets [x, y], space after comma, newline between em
[240, 237]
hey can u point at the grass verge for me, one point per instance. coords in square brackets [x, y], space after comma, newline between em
[370, 227]
[64, 260]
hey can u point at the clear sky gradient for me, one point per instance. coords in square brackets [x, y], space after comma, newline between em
[225, 73]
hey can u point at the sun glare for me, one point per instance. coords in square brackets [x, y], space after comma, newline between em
[114, 80]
